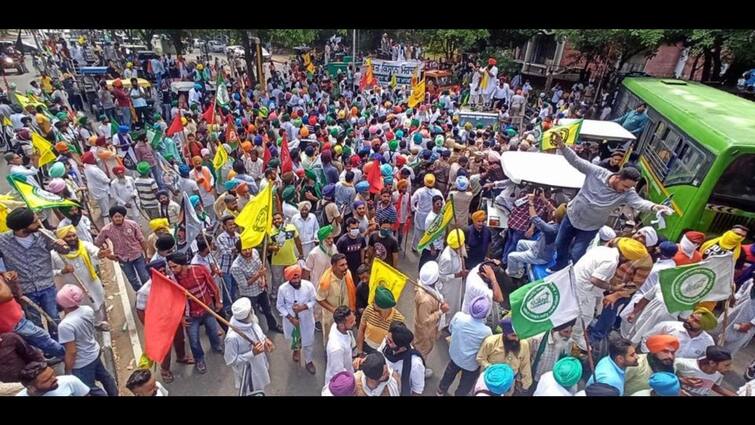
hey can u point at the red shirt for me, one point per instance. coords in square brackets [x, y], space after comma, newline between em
[121, 97]
[198, 281]
[10, 315]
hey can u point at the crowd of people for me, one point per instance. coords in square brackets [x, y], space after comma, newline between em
[357, 175]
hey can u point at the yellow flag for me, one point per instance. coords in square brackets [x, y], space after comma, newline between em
[46, 155]
[569, 134]
[418, 94]
[394, 81]
[7, 204]
[256, 218]
[221, 157]
[36, 198]
[7, 121]
[435, 230]
[383, 274]
[24, 101]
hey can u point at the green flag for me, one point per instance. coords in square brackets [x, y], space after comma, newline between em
[710, 280]
[221, 91]
[435, 230]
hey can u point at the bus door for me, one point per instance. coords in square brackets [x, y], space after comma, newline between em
[733, 198]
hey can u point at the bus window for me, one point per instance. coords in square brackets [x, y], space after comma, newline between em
[736, 187]
[689, 165]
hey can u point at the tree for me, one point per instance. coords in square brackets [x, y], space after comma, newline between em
[176, 37]
[448, 42]
[288, 38]
[146, 36]
[609, 45]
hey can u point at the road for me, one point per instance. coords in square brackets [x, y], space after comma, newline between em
[287, 379]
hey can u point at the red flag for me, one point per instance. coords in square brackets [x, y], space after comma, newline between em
[230, 131]
[375, 178]
[175, 126]
[209, 114]
[266, 157]
[286, 163]
[165, 309]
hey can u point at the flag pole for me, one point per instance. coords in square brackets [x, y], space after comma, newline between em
[456, 229]
[590, 360]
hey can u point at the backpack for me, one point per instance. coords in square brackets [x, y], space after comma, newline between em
[321, 216]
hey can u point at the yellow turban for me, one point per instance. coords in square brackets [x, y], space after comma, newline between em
[159, 223]
[708, 320]
[455, 239]
[560, 212]
[65, 230]
[729, 241]
[429, 180]
[197, 160]
[631, 249]
[478, 215]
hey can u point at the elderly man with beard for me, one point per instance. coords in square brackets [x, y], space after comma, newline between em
[431, 310]
[239, 351]
[375, 378]
[507, 348]
[691, 333]
[662, 351]
[296, 303]
[404, 359]
[548, 347]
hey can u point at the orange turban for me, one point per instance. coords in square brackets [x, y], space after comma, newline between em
[478, 215]
[658, 343]
[292, 272]
[197, 160]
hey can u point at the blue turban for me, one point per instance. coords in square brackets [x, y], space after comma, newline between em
[194, 199]
[362, 186]
[231, 184]
[567, 371]
[357, 204]
[499, 378]
[668, 249]
[329, 190]
[665, 384]
[183, 170]
[386, 170]
[388, 179]
[507, 326]
[123, 129]
[258, 140]
[480, 307]
[426, 154]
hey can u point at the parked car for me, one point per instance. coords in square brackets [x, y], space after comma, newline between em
[216, 46]
[11, 58]
[238, 51]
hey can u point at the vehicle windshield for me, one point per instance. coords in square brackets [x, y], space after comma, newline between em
[736, 187]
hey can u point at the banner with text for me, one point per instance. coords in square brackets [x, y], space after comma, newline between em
[385, 69]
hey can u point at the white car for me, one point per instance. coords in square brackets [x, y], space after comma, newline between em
[238, 51]
[216, 46]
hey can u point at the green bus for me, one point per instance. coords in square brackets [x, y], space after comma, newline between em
[696, 154]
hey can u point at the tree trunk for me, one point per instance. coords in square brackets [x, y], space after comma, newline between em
[175, 37]
[716, 72]
[147, 37]
[694, 67]
[706, 65]
[246, 42]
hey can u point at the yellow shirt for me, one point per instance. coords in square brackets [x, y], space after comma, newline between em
[492, 352]
[286, 254]
[43, 122]
[46, 84]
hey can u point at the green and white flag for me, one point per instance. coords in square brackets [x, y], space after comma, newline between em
[709, 280]
[154, 137]
[544, 304]
[221, 91]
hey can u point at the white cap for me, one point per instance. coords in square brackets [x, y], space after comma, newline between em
[241, 308]
[606, 233]
[429, 273]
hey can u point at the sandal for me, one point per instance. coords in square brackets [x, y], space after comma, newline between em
[296, 356]
[167, 376]
[186, 360]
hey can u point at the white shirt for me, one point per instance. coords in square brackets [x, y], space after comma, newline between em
[97, 181]
[68, 385]
[475, 287]
[688, 368]
[689, 348]
[417, 376]
[547, 386]
[652, 278]
[600, 263]
[78, 326]
[307, 228]
[123, 191]
[338, 352]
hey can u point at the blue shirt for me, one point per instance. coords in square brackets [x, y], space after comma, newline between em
[607, 372]
[633, 121]
[467, 334]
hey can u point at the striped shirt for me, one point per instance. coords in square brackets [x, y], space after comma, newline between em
[227, 248]
[377, 326]
[147, 189]
[242, 269]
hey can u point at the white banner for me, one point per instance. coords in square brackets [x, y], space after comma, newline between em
[384, 69]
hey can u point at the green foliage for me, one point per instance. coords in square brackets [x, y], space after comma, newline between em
[614, 44]
[448, 42]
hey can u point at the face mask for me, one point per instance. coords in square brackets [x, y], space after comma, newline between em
[384, 233]
[355, 232]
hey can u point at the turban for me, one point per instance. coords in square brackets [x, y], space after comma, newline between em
[143, 168]
[204, 151]
[64, 231]
[289, 193]
[429, 273]
[606, 233]
[494, 157]
[402, 184]
[19, 218]
[462, 183]
[231, 184]
[159, 223]
[57, 170]
[241, 308]
[658, 343]
[292, 272]
[355, 160]
[631, 249]
[386, 170]
[400, 160]
[560, 212]
[480, 307]
[567, 371]
[499, 378]
[69, 296]
[668, 249]
[122, 129]
[56, 185]
[651, 237]
[362, 186]
[491, 61]
[165, 242]
[194, 199]
[665, 384]
[707, 320]
[342, 384]
[600, 389]
[388, 179]
[455, 239]
[303, 204]
[88, 158]
[695, 237]
[478, 215]
[507, 326]
[61, 147]
[384, 297]
[119, 169]
[324, 232]
[429, 180]
[329, 190]
[197, 160]
[100, 141]
[183, 170]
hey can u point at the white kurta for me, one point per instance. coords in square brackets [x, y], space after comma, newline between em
[97, 182]
[92, 286]
[743, 312]
[650, 283]
[548, 387]
[655, 312]
[422, 204]
[83, 229]
[238, 352]
[287, 297]
[449, 263]
[123, 192]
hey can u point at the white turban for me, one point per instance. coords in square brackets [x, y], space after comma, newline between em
[241, 308]
[303, 204]
[606, 233]
[429, 273]
[651, 237]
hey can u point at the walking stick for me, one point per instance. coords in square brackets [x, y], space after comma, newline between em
[590, 360]
[44, 314]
